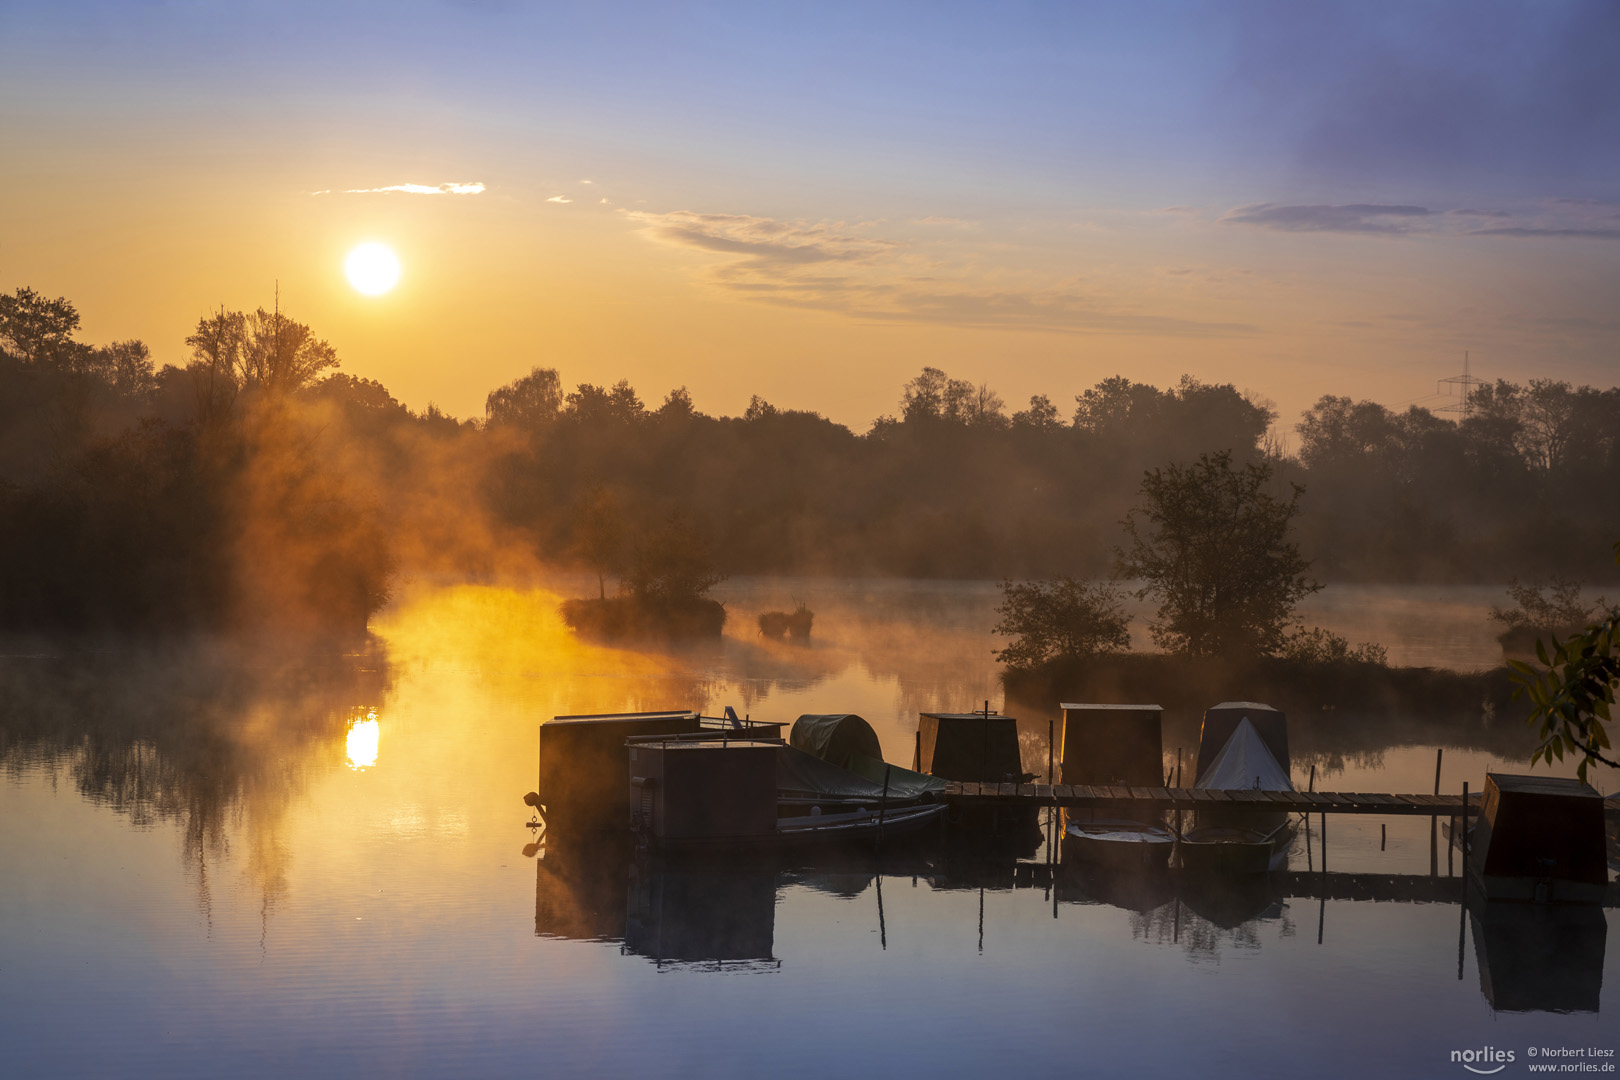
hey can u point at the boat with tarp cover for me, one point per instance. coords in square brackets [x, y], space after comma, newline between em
[833, 784]
[1228, 845]
[1119, 842]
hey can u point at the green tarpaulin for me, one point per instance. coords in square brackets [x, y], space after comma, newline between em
[839, 754]
[835, 737]
[804, 775]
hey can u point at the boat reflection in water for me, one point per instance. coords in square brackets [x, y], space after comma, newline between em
[703, 909]
[580, 884]
[672, 907]
[1539, 957]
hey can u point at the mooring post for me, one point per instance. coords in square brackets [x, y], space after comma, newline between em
[883, 930]
[916, 753]
[984, 749]
[1324, 841]
[1465, 838]
[1178, 766]
[883, 801]
[1312, 785]
[1050, 732]
[1462, 918]
[1434, 821]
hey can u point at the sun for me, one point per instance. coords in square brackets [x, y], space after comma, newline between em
[372, 268]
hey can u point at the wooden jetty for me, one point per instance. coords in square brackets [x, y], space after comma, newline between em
[1150, 799]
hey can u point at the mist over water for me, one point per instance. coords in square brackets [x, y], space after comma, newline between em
[287, 863]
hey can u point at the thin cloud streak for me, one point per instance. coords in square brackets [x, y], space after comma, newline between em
[474, 188]
[1351, 218]
[834, 267]
[1585, 234]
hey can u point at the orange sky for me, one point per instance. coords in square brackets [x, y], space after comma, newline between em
[800, 224]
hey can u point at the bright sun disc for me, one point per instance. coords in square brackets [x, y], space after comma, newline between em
[372, 269]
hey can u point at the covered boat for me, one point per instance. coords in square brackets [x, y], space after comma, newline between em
[1239, 844]
[711, 790]
[1118, 842]
[836, 738]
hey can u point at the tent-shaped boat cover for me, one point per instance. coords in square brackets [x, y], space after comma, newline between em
[1245, 762]
[835, 737]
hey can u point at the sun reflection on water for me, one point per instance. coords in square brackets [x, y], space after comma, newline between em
[362, 743]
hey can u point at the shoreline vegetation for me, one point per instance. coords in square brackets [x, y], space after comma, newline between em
[257, 490]
[627, 618]
[1192, 684]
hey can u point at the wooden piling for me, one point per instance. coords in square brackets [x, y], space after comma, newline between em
[1051, 733]
[883, 801]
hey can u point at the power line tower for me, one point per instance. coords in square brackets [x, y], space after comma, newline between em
[1465, 384]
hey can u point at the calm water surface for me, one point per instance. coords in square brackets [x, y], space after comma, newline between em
[214, 864]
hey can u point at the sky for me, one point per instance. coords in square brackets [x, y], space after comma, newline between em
[812, 202]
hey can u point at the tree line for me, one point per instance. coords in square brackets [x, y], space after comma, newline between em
[257, 483]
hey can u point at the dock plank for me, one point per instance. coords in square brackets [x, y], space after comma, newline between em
[1120, 796]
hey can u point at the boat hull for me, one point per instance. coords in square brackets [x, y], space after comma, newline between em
[1120, 844]
[1225, 857]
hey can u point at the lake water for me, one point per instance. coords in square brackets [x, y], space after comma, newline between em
[215, 863]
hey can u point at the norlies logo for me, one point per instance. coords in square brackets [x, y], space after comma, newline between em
[1484, 1061]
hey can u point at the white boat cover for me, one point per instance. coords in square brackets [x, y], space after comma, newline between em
[1245, 762]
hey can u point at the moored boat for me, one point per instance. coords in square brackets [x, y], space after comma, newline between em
[1239, 843]
[1232, 850]
[862, 824]
[1119, 842]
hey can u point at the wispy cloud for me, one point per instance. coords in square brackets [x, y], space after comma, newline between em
[559, 199]
[763, 241]
[834, 266]
[474, 188]
[1592, 233]
[1349, 218]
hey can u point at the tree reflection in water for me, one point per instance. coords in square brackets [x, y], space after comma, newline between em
[211, 736]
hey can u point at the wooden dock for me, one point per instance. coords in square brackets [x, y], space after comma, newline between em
[1150, 799]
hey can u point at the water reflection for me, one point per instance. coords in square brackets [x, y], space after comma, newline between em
[701, 909]
[212, 737]
[581, 885]
[364, 735]
[389, 860]
[1539, 957]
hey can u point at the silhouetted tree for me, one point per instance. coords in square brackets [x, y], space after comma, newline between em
[530, 402]
[1212, 545]
[600, 536]
[671, 564]
[34, 329]
[1062, 619]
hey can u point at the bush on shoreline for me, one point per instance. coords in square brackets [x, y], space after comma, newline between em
[620, 618]
[1184, 683]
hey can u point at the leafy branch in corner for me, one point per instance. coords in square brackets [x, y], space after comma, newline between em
[1572, 700]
